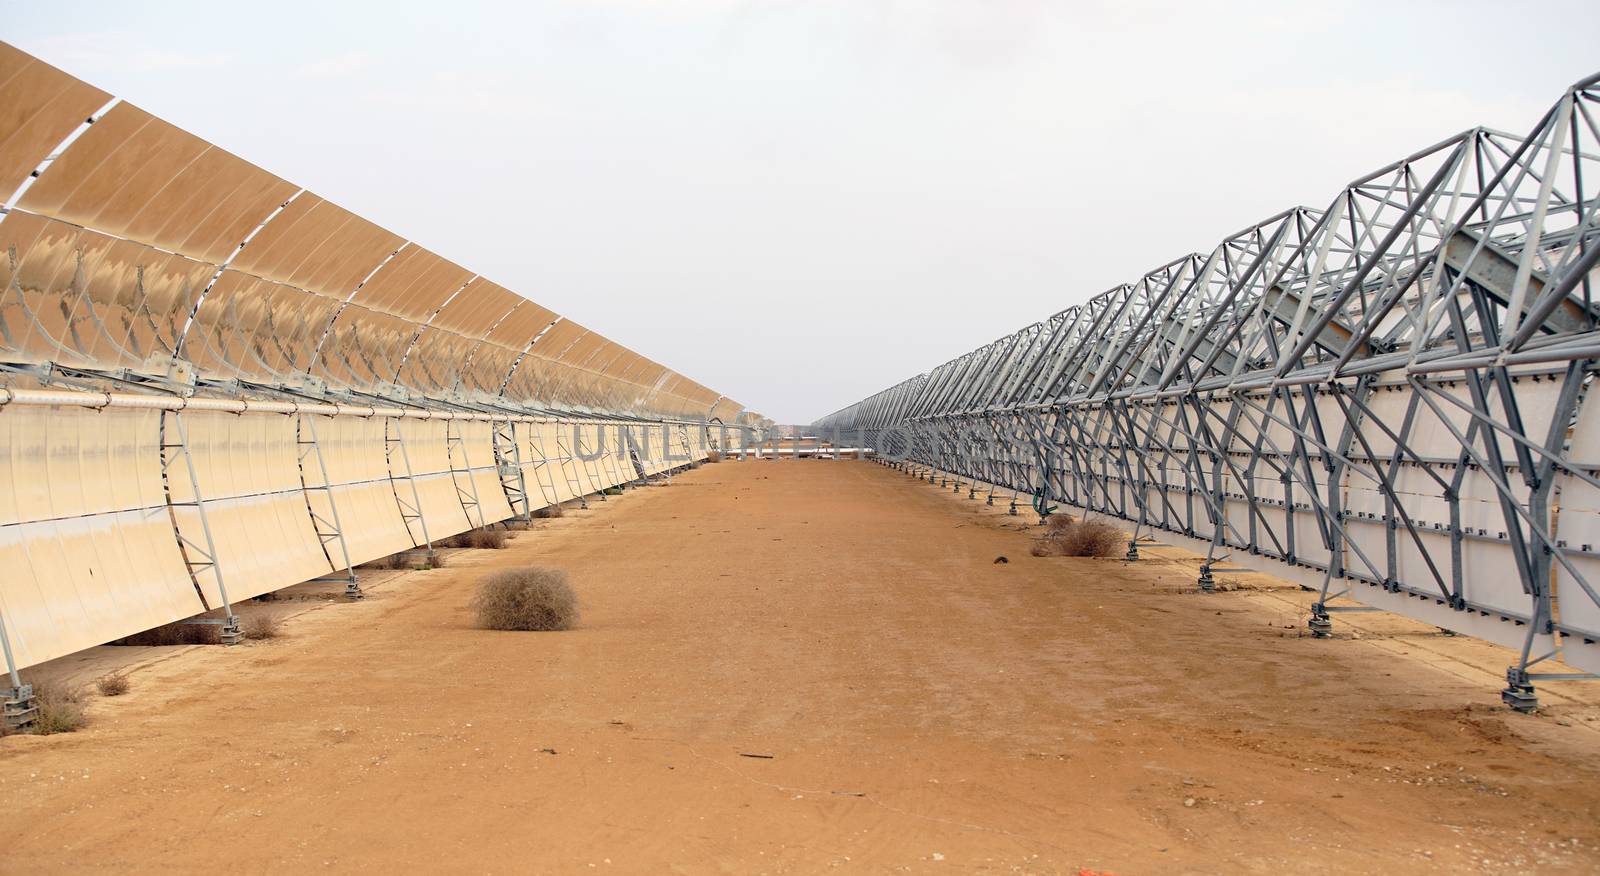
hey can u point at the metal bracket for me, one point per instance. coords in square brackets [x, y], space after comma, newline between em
[1519, 693]
[19, 708]
[1320, 623]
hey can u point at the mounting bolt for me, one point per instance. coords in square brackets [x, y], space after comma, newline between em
[232, 633]
[1013, 509]
[1206, 582]
[991, 500]
[1133, 549]
[352, 590]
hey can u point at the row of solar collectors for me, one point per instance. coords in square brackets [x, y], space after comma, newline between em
[95, 503]
[139, 239]
[133, 246]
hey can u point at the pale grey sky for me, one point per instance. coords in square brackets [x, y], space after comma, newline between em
[800, 203]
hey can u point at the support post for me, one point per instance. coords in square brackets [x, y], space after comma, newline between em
[328, 530]
[455, 444]
[17, 708]
[508, 465]
[413, 511]
[231, 633]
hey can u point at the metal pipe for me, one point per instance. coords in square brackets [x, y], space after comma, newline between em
[99, 399]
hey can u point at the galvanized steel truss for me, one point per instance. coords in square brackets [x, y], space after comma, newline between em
[1388, 395]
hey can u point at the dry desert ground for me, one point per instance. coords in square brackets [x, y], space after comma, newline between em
[804, 666]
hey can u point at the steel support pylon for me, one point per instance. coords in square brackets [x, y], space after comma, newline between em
[329, 529]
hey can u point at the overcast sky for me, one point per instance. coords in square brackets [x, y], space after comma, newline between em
[800, 203]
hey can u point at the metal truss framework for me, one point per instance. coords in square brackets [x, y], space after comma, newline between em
[1389, 396]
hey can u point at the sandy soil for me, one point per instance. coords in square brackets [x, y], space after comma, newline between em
[916, 707]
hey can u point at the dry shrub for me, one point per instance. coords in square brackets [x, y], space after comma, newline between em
[1091, 538]
[1095, 539]
[1048, 544]
[402, 560]
[526, 598]
[417, 559]
[177, 633]
[487, 539]
[60, 709]
[113, 685]
[260, 625]
[714, 456]
[550, 511]
[1067, 537]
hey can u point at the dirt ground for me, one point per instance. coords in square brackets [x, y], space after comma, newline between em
[799, 666]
